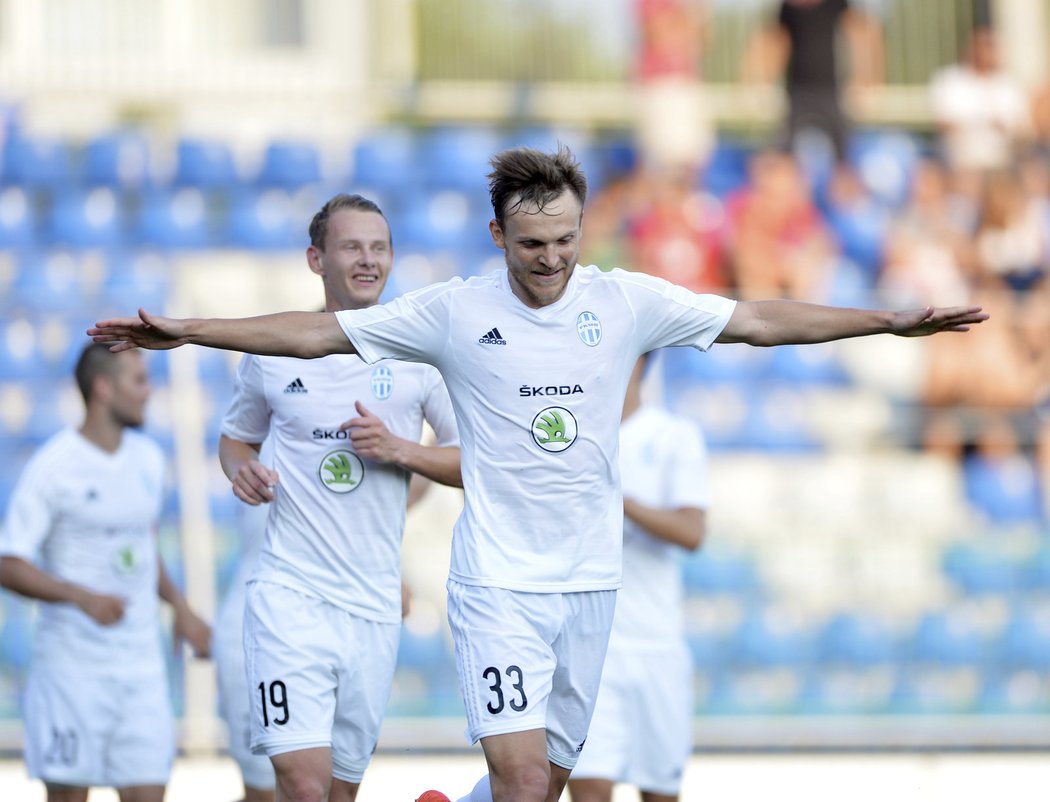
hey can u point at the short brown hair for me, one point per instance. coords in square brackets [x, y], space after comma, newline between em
[95, 360]
[357, 203]
[527, 176]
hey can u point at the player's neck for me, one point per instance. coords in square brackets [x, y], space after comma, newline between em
[102, 431]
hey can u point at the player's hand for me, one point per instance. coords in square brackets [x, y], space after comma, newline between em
[194, 630]
[104, 610]
[145, 331]
[923, 322]
[254, 483]
[370, 437]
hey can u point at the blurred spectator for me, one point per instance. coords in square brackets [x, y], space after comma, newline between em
[1004, 365]
[777, 239]
[677, 235]
[802, 45]
[674, 131]
[1010, 242]
[982, 111]
[928, 251]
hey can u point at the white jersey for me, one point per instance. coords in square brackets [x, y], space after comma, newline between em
[334, 530]
[663, 460]
[538, 394]
[89, 517]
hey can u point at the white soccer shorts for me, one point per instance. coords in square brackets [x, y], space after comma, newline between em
[529, 661]
[90, 731]
[641, 733]
[318, 676]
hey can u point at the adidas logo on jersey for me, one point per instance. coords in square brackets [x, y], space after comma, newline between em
[492, 338]
[296, 386]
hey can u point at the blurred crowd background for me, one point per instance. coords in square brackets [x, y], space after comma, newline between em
[877, 572]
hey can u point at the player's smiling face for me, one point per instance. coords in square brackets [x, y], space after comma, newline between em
[541, 247]
[356, 259]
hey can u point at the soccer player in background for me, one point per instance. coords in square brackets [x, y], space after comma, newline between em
[235, 700]
[324, 604]
[81, 536]
[537, 359]
[642, 729]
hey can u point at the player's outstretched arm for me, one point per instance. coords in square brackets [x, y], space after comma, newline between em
[779, 322]
[300, 334]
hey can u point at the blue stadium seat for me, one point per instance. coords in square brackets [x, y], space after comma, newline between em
[763, 641]
[290, 165]
[1025, 642]
[118, 159]
[778, 420]
[435, 221]
[856, 640]
[264, 221]
[807, 365]
[91, 219]
[861, 233]
[1007, 491]
[856, 691]
[18, 225]
[753, 693]
[723, 363]
[38, 163]
[727, 169]
[386, 159]
[720, 409]
[208, 164]
[885, 161]
[20, 356]
[174, 219]
[137, 278]
[457, 157]
[935, 692]
[52, 281]
[1014, 693]
[947, 639]
[720, 571]
[981, 568]
[1034, 572]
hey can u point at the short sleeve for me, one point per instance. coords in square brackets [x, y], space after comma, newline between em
[437, 409]
[248, 417]
[30, 514]
[669, 315]
[413, 328]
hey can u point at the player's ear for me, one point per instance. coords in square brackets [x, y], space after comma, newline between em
[313, 259]
[497, 234]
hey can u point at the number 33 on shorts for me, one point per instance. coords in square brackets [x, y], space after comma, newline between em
[514, 681]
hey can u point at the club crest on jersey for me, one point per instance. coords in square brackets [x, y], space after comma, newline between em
[341, 471]
[382, 382]
[126, 561]
[554, 429]
[589, 328]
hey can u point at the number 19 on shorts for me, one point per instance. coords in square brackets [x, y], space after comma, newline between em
[274, 702]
